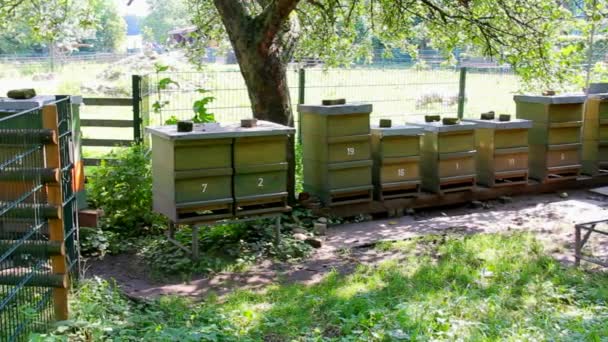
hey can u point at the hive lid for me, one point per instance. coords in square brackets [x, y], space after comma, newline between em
[207, 131]
[406, 130]
[514, 123]
[7, 104]
[556, 99]
[599, 96]
[437, 126]
[345, 109]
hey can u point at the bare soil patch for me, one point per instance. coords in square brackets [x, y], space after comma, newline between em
[550, 217]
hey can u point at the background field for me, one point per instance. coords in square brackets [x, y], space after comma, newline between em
[398, 92]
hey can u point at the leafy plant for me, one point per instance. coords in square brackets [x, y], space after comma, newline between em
[201, 113]
[162, 84]
[94, 242]
[123, 189]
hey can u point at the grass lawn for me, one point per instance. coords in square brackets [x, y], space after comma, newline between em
[481, 287]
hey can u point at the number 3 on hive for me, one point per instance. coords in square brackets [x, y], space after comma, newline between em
[204, 186]
[260, 182]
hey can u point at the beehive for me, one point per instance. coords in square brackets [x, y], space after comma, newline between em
[502, 152]
[448, 156]
[396, 155]
[337, 152]
[217, 172]
[555, 136]
[595, 135]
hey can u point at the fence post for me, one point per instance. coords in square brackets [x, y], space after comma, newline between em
[301, 97]
[50, 118]
[136, 93]
[461, 91]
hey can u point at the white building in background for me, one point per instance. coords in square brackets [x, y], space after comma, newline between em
[135, 39]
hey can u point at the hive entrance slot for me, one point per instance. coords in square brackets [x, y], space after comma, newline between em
[204, 214]
[564, 175]
[267, 206]
[459, 185]
[351, 197]
[408, 191]
[511, 180]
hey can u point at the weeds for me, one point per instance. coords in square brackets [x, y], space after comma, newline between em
[482, 287]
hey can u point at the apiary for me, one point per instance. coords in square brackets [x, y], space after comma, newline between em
[337, 152]
[216, 172]
[595, 135]
[448, 156]
[502, 151]
[396, 156]
[555, 136]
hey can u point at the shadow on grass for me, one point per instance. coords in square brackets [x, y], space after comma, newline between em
[480, 287]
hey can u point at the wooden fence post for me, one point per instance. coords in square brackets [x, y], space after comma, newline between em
[50, 120]
[136, 93]
[461, 91]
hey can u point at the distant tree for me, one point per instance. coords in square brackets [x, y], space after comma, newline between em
[111, 28]
[164, 16]
[56, 24]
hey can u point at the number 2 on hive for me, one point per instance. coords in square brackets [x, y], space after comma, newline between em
[261, 182]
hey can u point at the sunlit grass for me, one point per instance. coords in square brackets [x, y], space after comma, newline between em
[480, 288]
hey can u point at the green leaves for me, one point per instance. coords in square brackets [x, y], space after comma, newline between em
[201, 113]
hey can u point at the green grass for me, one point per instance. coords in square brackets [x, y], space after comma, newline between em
[476, 288]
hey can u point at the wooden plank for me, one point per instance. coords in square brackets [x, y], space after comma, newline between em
[106, 142]
[106, 123]
[50, 119]
[108, 101]
[428, 200]
[40, 248]
[59, 282]
[97, 161]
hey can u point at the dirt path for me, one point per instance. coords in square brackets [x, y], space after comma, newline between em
[550, 217]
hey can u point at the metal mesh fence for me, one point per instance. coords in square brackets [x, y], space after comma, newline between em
[401, 93]
[27, 281]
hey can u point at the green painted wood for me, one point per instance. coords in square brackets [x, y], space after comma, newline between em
[105, 123]
[260, 150]
[208, 154]
[108, 101]
[106, 142]
[507, 138]
[203, 188]
[260, 183]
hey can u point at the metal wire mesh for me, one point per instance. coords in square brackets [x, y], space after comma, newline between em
[26, 302]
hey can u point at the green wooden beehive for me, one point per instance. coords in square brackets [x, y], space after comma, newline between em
[502, 152]
[337, 152]
[555, 136]
[260, 171]
[217, 172]
[447, 156]
[595, 135]
[396, 155]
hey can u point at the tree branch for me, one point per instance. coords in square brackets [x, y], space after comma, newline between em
[272, 18]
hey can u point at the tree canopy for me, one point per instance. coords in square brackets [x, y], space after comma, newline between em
[520, 32]
[164, 16]
[26, 24]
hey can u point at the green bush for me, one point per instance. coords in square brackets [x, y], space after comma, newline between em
[123, 189]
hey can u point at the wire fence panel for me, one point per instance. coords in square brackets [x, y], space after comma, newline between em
[400, 94]
[27, 281]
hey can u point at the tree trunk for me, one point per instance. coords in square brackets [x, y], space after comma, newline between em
[266, 80]
[262, 47]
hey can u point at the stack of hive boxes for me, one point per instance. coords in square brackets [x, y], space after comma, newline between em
[595, 135]
[555, 136]
[448, 156]
[502, 152]
[337, 154]
[207, 175]
[396, 152]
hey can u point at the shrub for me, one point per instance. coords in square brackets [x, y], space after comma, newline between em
[123, 189]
